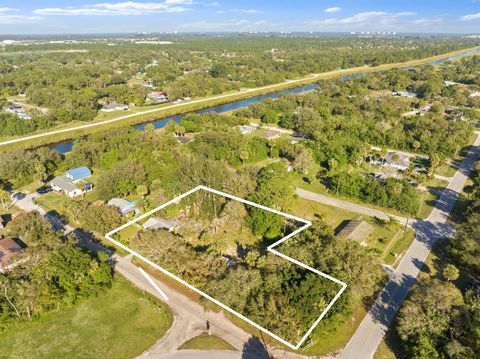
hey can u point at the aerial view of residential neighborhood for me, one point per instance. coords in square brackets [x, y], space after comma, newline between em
[187, 179]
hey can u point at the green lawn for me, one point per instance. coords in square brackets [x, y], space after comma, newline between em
[120, 323]
[56, 202]
[388, 240]
[206, 342]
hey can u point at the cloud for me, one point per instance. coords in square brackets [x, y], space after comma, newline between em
[120, 8]
[212, 4]
[243, 11]
[233, 25]
[7, 18]
[365, 18]
[333, 9]
[471, 17]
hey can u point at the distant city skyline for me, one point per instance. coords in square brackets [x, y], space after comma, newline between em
[91, 16]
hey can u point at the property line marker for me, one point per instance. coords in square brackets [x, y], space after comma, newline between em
[154, 285]
[270, 249]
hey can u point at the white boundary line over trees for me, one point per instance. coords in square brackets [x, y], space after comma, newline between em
[269, 248]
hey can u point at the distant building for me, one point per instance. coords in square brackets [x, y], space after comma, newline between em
[407, 94]
[425, 108]
[455, 115]
[14, 109]
[183, 139]
[450, 83]
[157, 96]
[125, 207]
[245, 129]
[393, 159]
[356, 230]
[9, 248]
[24, 116]
[18, 111]
[156, 223]
[271, 135]
[114, 106]
[147, 84]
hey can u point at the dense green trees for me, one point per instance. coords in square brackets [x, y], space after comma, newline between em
[22, 167]
[54, 272]
[392, 193]
[100, 218]
[72, 84]
[274, 190]
[441, 318]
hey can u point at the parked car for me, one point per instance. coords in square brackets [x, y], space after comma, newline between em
[44, 189]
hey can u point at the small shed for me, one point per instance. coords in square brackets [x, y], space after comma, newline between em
[356, 230]
[155, 223]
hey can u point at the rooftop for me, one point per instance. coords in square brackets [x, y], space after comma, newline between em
[356, 230]
[8, 248]
[64, 183]
[79, 173]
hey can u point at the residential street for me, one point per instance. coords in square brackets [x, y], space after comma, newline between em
[189, 317]
[312, 196]
[369, 334]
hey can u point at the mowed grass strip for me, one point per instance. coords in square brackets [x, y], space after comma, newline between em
[206, 342]
[120, 323]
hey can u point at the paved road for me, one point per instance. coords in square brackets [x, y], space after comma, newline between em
[189, 316]
[369, 334]
[183, 104]
[312, 196]
[205, 354]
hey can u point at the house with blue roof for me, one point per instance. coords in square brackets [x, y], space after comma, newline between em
[73, 183]
[78, 174]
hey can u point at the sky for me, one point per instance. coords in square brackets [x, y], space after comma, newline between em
[111, 16]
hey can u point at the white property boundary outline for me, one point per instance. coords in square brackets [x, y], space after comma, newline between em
[269, 248]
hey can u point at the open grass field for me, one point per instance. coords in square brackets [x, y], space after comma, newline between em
[206, 342]
[120, 323]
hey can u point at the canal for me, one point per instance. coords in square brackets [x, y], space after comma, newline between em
[66, 146]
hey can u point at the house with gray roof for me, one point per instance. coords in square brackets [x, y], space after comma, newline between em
[393, 159]
[356, 230]
[124, 206]
[156, 223]
[66, 185]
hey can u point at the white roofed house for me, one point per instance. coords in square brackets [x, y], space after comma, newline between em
[114, 106]
[393, 159]
[245, 129]
[407, 94]
[157, 96]
[156, 223]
